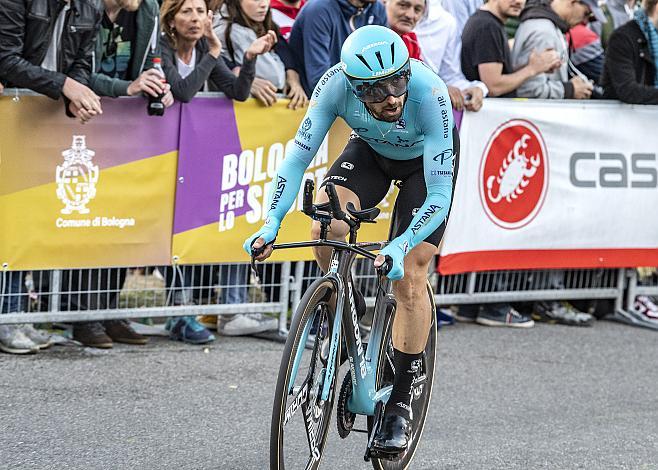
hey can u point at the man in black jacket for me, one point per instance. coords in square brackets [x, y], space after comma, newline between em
[47, 45]
[629, 73]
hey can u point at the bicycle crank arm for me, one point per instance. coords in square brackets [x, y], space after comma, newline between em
[379, 407]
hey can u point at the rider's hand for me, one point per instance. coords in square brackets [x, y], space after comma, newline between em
[264, 236]
[260, 241]
[397, 249]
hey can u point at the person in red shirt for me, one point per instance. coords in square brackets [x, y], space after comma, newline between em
[403, 15]
[284, 14]
[586, 51]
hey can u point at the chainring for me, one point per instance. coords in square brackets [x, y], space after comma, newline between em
[344, 418]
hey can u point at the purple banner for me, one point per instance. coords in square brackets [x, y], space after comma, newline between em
[208, 132]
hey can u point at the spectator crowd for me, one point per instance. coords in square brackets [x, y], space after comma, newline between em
[82, 50]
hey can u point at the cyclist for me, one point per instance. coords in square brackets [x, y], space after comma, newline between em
[402, 123]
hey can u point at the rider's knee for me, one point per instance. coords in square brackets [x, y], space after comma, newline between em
[338, 230]
[315, 230]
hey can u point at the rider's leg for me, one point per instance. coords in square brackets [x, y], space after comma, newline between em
[338, 229]
[410, 327]
[410, 330]
[413, 313]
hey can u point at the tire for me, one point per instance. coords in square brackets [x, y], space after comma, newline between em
[422, 393]
[294, 412]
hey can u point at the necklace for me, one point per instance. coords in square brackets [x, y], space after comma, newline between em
[384, 134]
[393, 125]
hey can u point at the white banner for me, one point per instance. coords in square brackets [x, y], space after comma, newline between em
[555, 184]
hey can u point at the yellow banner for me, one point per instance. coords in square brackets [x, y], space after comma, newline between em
[96, 195]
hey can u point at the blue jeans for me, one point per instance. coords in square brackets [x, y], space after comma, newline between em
[233, 278]
[11, 293]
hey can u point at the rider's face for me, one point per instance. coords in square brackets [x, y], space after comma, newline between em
[388, 110]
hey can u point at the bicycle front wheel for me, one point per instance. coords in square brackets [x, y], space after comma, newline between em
[421, 389]
[300, 418]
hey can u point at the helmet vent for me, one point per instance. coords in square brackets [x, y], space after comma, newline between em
[379, 59]
[364, 61]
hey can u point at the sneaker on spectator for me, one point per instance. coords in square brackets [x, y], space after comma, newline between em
[561, 312]
[208, 321]
[245, 324]
[42, 339]
[646, 306]
[188, 330]
[121, 332]
[467, 313]
[502, 315]
[92, 334]
[14, 341]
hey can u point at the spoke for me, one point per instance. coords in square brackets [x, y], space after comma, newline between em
[312, 460]
[312, 426]
[299, 400]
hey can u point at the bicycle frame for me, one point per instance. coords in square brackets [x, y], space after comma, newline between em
[363, 364]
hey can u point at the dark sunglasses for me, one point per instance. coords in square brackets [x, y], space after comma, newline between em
[378, 91]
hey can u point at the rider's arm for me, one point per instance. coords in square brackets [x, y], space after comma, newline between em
[321, 114]
[436, 121]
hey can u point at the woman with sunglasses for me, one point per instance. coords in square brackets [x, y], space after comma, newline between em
[191, 53]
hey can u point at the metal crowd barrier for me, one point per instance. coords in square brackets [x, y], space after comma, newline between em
[144, 292]
[220, 289]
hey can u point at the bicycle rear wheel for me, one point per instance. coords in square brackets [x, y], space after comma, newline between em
[300, 419]
[421, 388]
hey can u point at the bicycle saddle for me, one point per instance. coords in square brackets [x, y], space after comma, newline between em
[365, 215]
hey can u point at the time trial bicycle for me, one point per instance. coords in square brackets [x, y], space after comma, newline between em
[325, 321]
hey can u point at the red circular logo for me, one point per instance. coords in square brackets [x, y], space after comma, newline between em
[514, 174]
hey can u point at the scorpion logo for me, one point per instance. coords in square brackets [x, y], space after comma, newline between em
[514, 174]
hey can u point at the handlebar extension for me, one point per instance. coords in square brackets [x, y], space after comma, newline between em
[334, 203]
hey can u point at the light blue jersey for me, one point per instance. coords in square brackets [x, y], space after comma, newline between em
[425, 128]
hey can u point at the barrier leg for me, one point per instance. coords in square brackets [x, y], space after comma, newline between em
[631, 274]
[286, 282]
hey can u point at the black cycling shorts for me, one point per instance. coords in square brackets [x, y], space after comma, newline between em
[369, 175]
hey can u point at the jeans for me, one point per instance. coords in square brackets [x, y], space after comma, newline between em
[11, 292]
[233, 279]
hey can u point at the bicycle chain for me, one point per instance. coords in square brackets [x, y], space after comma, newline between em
[344, 418]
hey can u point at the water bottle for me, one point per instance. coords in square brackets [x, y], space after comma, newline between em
[155, 106]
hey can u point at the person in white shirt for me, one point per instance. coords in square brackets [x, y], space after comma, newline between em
[440, 42]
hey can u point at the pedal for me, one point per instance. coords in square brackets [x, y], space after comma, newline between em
[374, 454]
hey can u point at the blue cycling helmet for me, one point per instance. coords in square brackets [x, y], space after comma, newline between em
[372, 53]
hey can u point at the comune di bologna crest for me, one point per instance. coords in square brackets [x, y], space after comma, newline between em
[513, 178]
[77, 177]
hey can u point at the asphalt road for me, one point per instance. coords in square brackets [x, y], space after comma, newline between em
[551, 397]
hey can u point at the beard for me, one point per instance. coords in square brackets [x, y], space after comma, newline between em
[387, 117]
